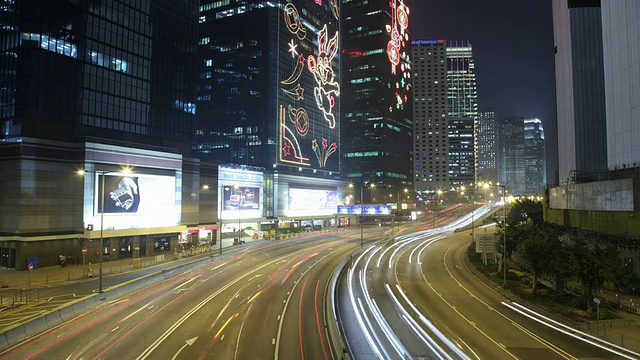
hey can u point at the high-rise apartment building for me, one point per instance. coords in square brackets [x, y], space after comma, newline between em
[445, 114]
[511, 155]
[430, 109]
[580, 86]
[487, 148]
[377, 123]
[534, 157]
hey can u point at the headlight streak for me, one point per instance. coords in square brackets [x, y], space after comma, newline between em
[604, 345]
[377, 314]
[413, 325]
[360, 313]
[428, 323]
[424, 247]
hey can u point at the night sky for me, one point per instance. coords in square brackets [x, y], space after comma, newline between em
[513, 51]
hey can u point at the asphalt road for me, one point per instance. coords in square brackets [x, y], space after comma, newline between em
[266, 301]
[416, 298]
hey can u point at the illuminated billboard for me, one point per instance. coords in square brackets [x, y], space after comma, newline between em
[240, 197]
[309, 199]
[365, 209]
[139, 200]
[309, 85]
[240, 192]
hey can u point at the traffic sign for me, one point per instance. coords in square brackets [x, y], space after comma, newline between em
[30, 267]
[84, 250]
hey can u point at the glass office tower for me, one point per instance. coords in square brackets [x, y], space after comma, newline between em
[377, 88]
[269, 85]
[121, 70]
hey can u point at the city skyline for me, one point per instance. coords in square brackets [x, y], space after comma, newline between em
[513, 52]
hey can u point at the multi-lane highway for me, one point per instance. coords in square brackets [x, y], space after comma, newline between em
[405, 296]
[266, 301]
[415, 297]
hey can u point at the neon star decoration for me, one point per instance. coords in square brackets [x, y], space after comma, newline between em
[289, 145]
[327, 87]
[292, 49]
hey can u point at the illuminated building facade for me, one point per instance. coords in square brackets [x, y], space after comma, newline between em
[462, 99]
[535, 171]
[97, 86]
[377, 87]
[269, 89]
[580, 90]
[269, 100]
[511, 155]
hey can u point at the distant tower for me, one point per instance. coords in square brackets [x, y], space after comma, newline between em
[463, 113]
[487, 148]
[580, 98]
[534, 153]
[431, 143]
[511, 155]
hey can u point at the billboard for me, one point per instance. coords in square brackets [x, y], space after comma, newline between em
[365, 209]
[240, 197]
[130, 201]
[309, 85]
[140, 194]
[309, 199]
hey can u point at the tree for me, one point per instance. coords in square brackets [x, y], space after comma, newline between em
[535, 248]
[523, 211]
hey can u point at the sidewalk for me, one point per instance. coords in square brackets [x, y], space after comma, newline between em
[46, 276]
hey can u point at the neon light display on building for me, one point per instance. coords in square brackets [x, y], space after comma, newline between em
[399, 58]
[309, 88]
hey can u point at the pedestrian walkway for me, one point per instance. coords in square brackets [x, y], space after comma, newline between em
[50, 275]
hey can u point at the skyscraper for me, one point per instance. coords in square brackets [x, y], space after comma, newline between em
[487, 149]
[580, 86]
[269, 85]
[511, 155]
[377, 87]
[445, 115]
[534, 157]
[103, 87]
[89, 69]
[430, 109]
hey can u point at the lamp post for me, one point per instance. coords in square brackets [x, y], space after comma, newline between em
[504, 231]
[361, 225]
[237, 187]
[102, 174]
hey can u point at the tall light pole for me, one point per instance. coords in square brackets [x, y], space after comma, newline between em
[504, 230]
[361, 225]
[102, 174]
[237, 188]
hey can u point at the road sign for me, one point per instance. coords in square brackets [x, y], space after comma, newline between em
[30, 267]
[84, 250]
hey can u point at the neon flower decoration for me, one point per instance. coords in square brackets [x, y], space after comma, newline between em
[398, 32]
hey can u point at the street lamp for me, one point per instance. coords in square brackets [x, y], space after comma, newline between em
[102, 174]
[433, 215]
[504, 231]
[237, 187]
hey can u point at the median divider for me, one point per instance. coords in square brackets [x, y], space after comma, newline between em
[337, 343]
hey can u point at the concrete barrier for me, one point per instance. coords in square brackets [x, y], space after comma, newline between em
[338, 346]
[35, 327]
